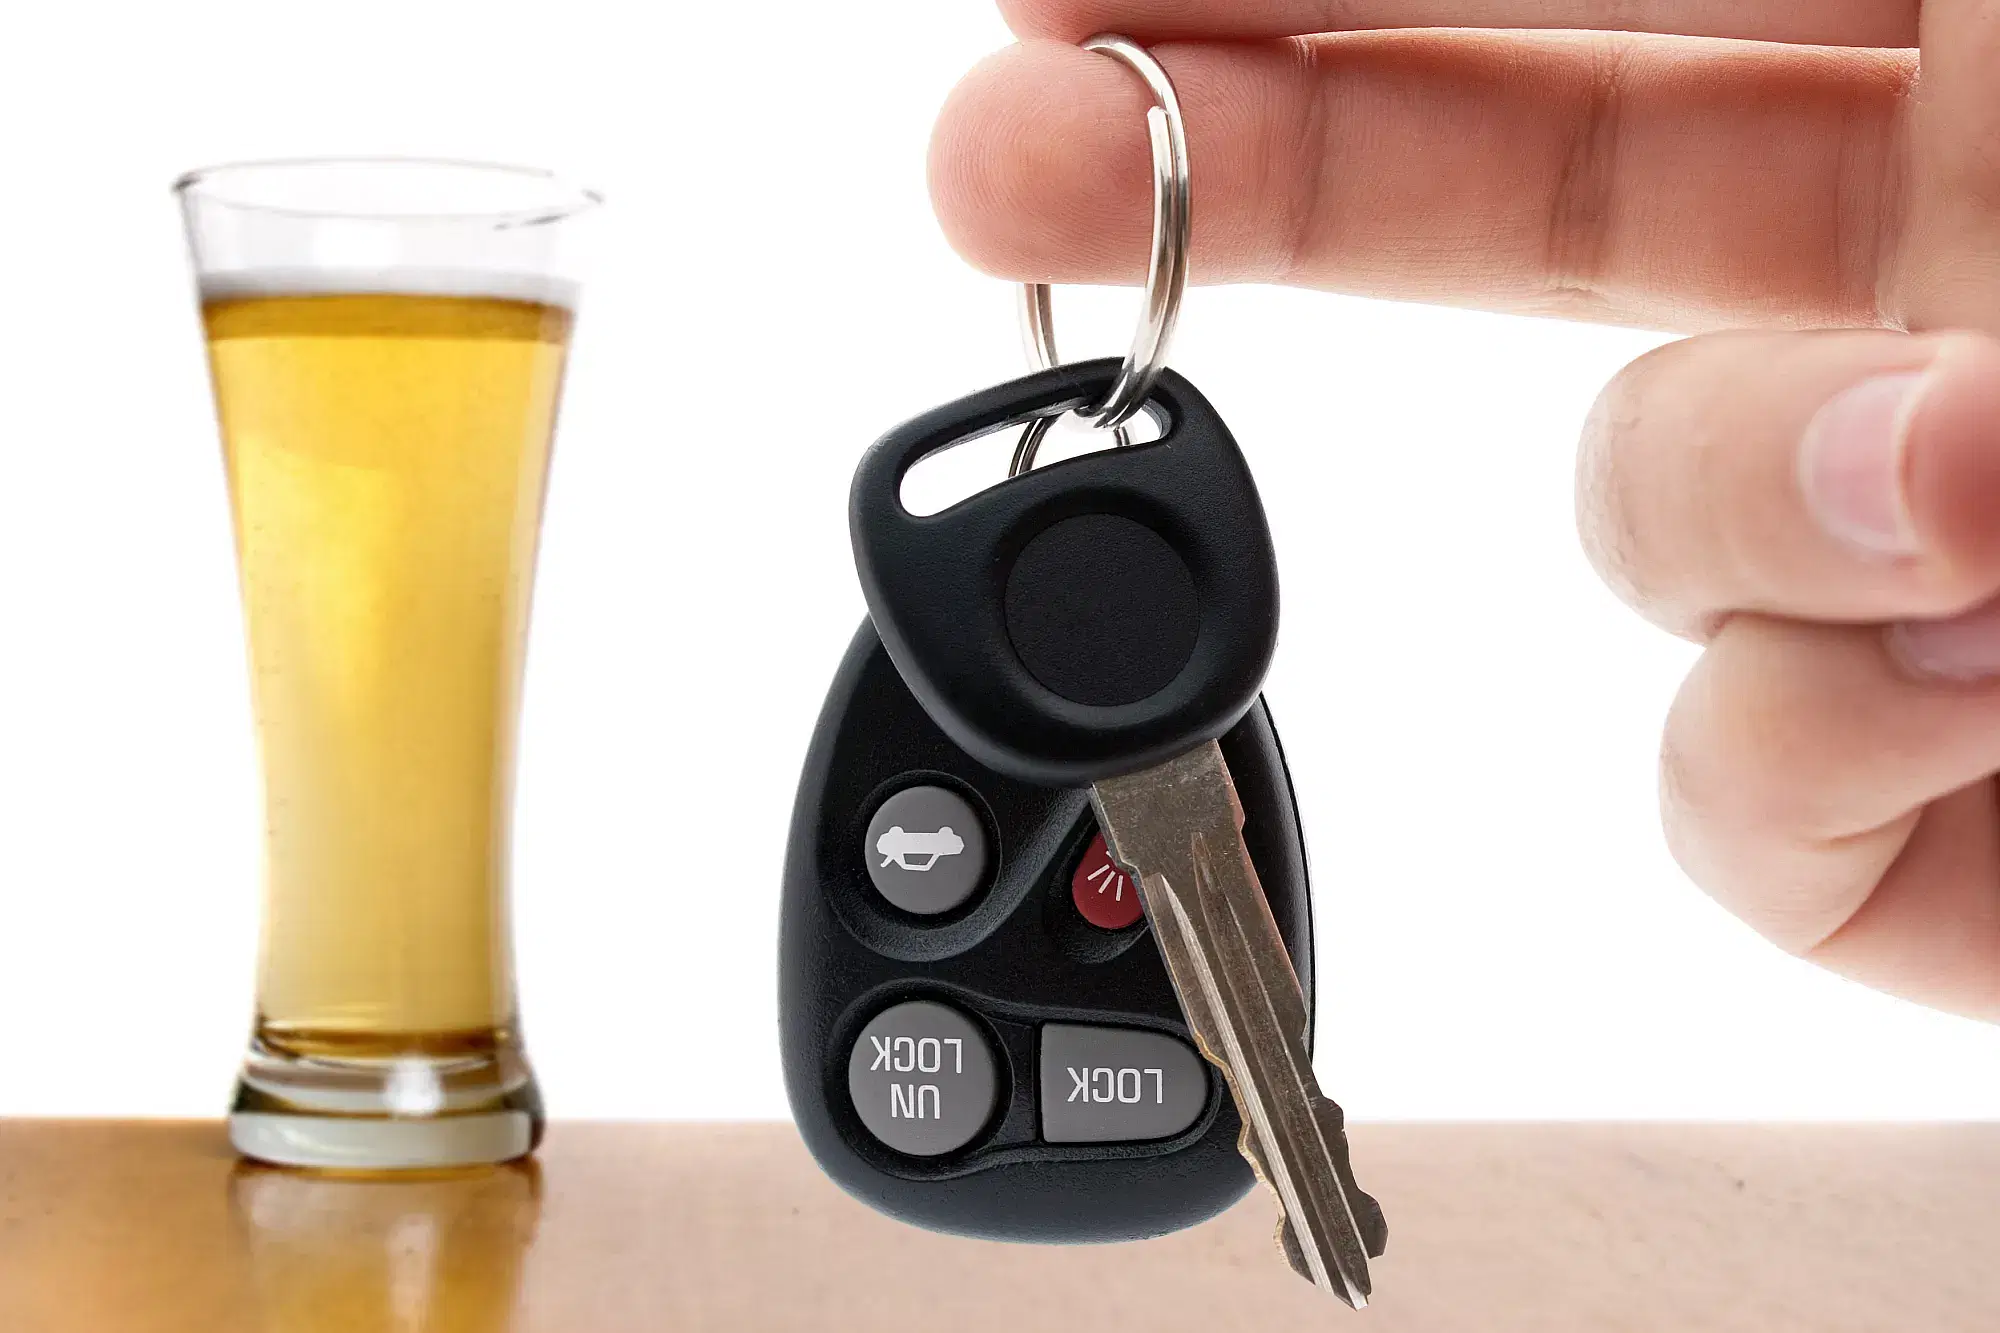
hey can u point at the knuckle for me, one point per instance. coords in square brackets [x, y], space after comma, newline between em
[1684, 794]
[1737, 754]
[1613, 496]
[1299, 166]
[1667, 509]
[1584, 199]
[1744, 812]
[1709, 780]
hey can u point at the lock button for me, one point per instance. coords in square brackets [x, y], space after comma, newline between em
[1118, 1085]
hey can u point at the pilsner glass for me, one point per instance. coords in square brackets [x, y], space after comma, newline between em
[386, 341]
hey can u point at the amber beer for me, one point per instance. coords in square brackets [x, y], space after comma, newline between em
[386, 455]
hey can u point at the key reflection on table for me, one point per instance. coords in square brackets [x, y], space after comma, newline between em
[342, 1254]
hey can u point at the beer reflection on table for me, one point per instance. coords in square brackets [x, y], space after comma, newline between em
[400, 1253]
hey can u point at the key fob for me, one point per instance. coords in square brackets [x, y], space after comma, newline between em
[978, 1032]
[1091, 618]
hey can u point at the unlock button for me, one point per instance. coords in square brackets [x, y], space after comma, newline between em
[923, 1079]
[1118, 1085]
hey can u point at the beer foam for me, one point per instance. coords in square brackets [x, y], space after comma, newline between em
[482, 284]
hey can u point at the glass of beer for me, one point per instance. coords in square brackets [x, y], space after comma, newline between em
[386, 341]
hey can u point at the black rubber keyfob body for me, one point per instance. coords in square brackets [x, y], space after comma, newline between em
[1015, 961]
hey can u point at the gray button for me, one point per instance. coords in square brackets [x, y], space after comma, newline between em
[1118, 1085]
[922, 1079]
[926, 850]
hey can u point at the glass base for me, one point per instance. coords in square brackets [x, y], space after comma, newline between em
[409, 1112]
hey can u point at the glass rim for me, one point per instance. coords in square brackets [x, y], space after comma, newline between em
[210, 185]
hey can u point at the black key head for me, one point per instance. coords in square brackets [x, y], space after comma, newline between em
[1091, 618]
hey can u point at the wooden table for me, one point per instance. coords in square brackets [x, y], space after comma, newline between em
[120, 1228]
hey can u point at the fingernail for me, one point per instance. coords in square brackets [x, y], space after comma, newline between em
[1851, 464]
[1965, 647]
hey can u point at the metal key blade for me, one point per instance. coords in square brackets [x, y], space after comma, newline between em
[1341, 1264]
[1178, 828]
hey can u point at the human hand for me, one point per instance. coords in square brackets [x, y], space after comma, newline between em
[1814, 496]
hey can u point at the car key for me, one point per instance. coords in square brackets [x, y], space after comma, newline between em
[1179, 824]
[1102, 621]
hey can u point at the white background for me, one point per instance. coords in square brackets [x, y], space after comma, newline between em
[1471, 719]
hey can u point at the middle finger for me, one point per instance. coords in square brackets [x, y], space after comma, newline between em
[1836, 476]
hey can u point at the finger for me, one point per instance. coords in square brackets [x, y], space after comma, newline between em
[1827, 22]
[1947, 269]
[1930, 930]
[1832, 476]
[1798, 765]
[1642, 180]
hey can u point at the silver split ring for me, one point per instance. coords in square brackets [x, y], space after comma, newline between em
[1166, 277]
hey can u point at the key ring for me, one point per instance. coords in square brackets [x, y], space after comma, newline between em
[1166, 277]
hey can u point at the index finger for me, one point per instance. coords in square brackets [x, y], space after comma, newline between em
[1684, 184]
[1824, 22]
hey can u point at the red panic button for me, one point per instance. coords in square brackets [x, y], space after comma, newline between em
[1103, 893]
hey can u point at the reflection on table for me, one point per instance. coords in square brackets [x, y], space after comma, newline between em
[332, 1254]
